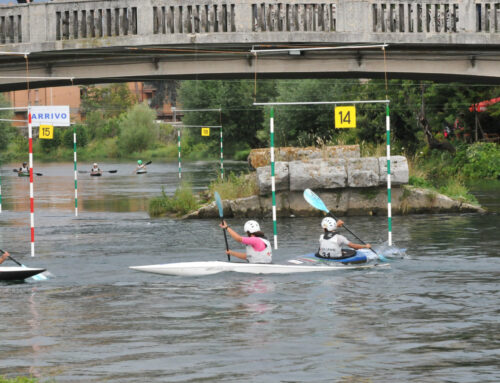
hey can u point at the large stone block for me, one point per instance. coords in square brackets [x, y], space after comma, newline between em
[282, 205]
[362, 172]
[282, 181]
[262, 157]
[246, 207]
[399, 170]
[317, 174]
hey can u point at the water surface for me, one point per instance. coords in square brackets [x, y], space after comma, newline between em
[432, 317]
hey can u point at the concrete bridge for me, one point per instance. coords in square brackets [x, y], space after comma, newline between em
[96, 41]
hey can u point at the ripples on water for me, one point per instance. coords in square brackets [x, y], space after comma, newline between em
[433, 317]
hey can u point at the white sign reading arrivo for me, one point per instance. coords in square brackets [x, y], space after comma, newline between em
[57, 115]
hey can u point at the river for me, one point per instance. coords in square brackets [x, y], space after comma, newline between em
[433, 316]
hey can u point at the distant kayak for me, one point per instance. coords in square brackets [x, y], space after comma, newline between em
[141, 171]
[23, 174]
[96, 174]
[18, 273]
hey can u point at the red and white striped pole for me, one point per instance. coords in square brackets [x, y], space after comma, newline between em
[32, 200]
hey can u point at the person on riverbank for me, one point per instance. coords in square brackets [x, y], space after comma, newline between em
[331, 242]
[24, 168]
[4, 256]
[140, 166]
[258, 248]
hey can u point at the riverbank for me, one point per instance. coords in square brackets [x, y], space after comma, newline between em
[346, 202]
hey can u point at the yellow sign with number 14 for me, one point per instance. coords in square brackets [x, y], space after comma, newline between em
[205, 131]
[345, 117]
[46, 132]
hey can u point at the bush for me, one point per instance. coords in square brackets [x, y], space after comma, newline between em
[182, 202]
[233, 186]
[482, 160]
[19, 379]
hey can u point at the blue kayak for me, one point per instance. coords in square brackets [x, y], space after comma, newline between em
[361, 256]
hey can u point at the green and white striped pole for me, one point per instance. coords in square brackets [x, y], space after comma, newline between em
[221, 157]
[179, 150]
[273, 182]
[76, 172]
[389, 206]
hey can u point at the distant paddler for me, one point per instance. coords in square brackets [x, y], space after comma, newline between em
[24, 170]
[141, 168]
[95, 171]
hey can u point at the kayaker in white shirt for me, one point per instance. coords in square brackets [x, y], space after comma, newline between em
[24, 168]
[331, 242]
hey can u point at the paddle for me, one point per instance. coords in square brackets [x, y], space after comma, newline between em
[221, 215]
[38, 277]
[17, 171]
[108, 171]
[313, 200]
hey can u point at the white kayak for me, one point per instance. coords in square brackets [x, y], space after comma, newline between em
[214, 267]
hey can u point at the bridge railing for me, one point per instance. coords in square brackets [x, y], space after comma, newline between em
[96, 20]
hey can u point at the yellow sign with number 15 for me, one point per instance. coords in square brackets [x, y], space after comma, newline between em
[46, 132]
[345, 117]
[205, 131]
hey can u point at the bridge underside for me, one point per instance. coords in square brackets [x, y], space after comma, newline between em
[123, 64]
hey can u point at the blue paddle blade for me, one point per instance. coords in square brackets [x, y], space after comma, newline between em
[313, 200]
[218, 201]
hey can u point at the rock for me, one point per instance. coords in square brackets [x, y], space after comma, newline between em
[317, 174]
[282, 180]
[282, 205]
[262, 157]
[212, 211]
[246, 207]
[362, 172]
[399, 170]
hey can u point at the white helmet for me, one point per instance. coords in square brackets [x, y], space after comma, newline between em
[251, 227]
[95, 164]
[329, 224]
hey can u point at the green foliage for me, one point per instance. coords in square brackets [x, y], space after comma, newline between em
[81, 136]
[49, 145]
[234, 186]
[19, 379]
[110, 101]
[139, 130]
[482, 160]
[240, 120]
[182, 202]
[7, 131]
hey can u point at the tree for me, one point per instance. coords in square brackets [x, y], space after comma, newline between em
[7, 131]
[240, 120]
[139, 130]
[110, 101]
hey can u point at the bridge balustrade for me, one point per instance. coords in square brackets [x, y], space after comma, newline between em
[369, 19]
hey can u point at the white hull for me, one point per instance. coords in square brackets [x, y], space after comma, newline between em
[214, 267]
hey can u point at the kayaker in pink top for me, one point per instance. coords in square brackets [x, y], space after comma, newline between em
[258, 248]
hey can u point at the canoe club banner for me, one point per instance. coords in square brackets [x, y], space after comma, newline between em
[50, 115]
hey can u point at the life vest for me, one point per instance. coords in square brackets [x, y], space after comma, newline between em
[264, 256]
[328, 246]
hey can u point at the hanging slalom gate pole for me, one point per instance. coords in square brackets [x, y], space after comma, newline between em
[221, 162]
[32, 199]
[273, 182]
[389, 205]
[179, 150]
[76, 172]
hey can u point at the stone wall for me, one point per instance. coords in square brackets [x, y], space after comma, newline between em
[335, 173]
[344, 202]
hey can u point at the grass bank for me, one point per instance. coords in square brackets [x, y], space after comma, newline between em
[184, 200]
